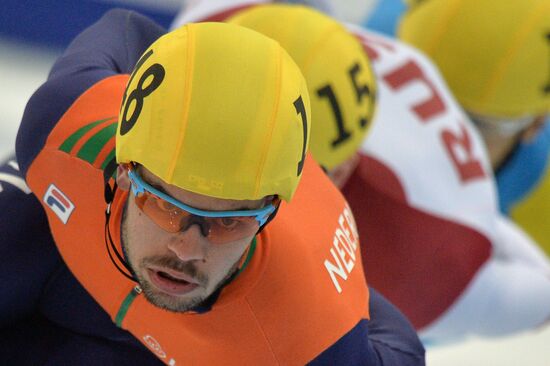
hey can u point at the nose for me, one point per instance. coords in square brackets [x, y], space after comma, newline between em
[188, 245]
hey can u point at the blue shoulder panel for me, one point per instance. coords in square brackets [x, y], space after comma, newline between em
[523, 170]
[385, 16]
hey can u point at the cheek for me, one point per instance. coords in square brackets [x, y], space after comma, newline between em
[226, 255]
[142, 234]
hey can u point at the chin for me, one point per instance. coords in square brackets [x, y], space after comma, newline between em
[177, 304]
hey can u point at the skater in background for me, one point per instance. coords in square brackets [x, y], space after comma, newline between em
[420, 184]
[495, 57]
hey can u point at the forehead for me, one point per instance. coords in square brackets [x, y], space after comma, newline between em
[197, 200]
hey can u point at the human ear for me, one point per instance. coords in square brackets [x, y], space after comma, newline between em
[122, 179]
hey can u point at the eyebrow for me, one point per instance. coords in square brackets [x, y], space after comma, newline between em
[157, 186]
[154, 185]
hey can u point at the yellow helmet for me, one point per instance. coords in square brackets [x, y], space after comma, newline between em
[337, 70]
[218, 110]
[495, 55]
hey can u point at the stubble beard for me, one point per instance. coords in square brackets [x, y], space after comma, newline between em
[172, 303]
[159, 299]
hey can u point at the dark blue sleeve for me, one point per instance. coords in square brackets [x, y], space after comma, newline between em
[111, 46]
[46, 316]
[386, 339]
[38, 341]
[28, 253]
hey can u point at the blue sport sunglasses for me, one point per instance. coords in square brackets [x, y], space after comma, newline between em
[174, 216]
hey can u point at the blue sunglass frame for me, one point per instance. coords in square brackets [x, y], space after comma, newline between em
[140, 186]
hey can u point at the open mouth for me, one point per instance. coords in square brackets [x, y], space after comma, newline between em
[171, 278]
[170, 283]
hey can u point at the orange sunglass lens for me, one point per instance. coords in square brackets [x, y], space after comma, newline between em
[225, 230]
[173, 219]
[164, 214]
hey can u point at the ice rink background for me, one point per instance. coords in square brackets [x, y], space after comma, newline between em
[23, 68]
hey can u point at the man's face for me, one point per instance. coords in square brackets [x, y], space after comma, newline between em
[502, 135]
[178, 271]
